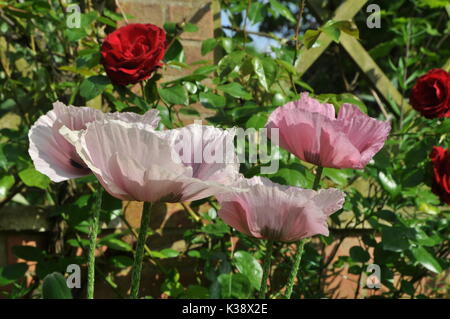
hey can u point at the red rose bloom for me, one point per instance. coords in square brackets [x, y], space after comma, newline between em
[132, 53]
[441, 173]
[431, 94]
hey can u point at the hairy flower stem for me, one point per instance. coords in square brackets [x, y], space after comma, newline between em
[93, 232]
[139, 255]
[295, 268]
[301, 244]
[317, 178]
[266, 268]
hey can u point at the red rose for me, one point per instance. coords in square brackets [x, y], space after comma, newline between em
[132, 53]
[431, 94]
[441, 173]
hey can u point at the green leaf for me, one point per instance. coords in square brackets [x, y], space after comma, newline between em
[197, 292]
[426, 259]
[75, 34]
[29, 253]
[278, 99]
[107, 21]
[388, 183]
[169, 252]
[282, 10]
[339, 176]
[332, 31]
[348, 27]
[211, 100]
[190, 27]
[121, 261]
[227, 44]
[294, 175]
[257, 121]
[93, 86]
[218, 228]
[310, 38]
[175, 52]
[174, 95]
[434, 3]
[235, 90]
[55, 287]
[33, 178]
[6, 182]
[358, 254]
[234, 286]
[189, 111]
[259, 71]
[11, 273]
[249, 267]
[115, 244]
[208, 45]
[395, 239]
[88, 60]
[256, 12]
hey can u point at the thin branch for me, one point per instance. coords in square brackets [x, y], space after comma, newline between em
[121, 11]
[261, 34]
[299, 24]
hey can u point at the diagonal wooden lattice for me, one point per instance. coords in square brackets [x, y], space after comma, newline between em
[346, 11]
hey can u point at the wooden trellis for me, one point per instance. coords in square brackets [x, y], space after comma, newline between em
[346, 11]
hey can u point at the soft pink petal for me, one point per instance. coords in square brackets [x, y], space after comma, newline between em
[315, 139]
[133, 161]
[272, 211]
[51, 156]
[329, 200]
[75, 117]
[308, 129]
[151, 117]
[208, 150]
[336, 150]
[311, 105]
[365, 133]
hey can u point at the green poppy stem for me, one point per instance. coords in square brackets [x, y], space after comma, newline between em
[301, 243]
[316, 183]
[139, 255]
[266, 268]
[93, 232]
[295, 268]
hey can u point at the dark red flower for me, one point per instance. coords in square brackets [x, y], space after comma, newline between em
[440, 160]
[431, 94]
[133, 52]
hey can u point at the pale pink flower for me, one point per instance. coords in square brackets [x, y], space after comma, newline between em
[52, 155]
[277, 212]
[208, 150]
[309, 130]
[134, 162]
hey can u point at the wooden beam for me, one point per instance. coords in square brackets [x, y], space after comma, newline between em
[372, 70]
[345, 11]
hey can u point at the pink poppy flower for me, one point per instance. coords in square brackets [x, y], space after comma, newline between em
[309, 130]
[52, 155]
[208, 150]
[134, 162]
[278, 212]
